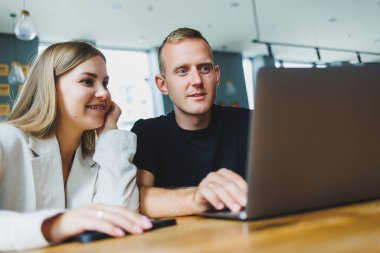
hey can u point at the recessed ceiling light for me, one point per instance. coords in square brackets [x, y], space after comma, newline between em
[209, 25]
[117, 7]
[150, 8]
[233, 5]
[141, 39]
[275, 28]
[332, 20]
[376, 40]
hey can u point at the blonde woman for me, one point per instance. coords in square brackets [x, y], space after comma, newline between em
[56, 179]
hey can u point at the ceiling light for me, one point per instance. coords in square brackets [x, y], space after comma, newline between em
[24, 29]
[233, 5]
[16, 76]
[117, 7]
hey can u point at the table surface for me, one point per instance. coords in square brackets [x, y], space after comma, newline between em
[351, 228]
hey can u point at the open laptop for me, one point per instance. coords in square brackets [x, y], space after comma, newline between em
[314, 140]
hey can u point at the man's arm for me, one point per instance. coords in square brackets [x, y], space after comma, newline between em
[219, 189]
[158, 202]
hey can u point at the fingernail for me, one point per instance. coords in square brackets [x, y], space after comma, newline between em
[220, 205]
[235, 207]
[137, 229]
[146, 222]
[243, 201]
[119, 231]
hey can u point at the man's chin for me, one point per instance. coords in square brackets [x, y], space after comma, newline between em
[200, 110]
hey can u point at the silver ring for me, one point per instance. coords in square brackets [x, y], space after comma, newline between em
[100, 214]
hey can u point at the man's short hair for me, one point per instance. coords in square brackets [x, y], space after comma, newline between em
[176, 36]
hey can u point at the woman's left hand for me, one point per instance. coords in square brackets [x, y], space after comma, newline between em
[111, 118]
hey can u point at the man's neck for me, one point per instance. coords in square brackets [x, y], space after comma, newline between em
[191, 121]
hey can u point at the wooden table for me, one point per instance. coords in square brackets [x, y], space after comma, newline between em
[352, 228]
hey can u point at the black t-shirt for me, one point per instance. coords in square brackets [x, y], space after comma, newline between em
[182, 158]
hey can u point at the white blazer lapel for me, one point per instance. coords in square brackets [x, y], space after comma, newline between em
[47, 172]
[81, 184]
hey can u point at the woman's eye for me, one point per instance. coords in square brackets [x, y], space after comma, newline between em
[105, 84]
[87, 82]
[204, 69]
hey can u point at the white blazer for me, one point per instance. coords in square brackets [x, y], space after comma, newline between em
[32, 188]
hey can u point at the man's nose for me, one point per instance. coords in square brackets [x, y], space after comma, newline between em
[195, 78]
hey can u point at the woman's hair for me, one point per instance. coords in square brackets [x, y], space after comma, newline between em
[36, 108]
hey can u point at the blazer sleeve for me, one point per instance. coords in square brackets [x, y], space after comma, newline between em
[22, 231]
[116, 180]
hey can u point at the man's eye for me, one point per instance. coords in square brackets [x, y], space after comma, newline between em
[87, 82]
[204, 69]
[181, 71]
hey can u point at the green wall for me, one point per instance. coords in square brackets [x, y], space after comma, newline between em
[14, 50]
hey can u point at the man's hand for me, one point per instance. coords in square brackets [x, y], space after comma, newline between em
[220, 189]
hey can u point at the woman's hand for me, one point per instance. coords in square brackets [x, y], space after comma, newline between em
[111, 118]
[112, 220]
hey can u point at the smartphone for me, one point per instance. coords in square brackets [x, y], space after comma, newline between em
[90, 236]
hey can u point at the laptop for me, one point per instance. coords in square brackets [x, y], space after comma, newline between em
[314, 140]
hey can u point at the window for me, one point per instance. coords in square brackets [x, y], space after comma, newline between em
[290, 64]
[129, 85]
[247, 69]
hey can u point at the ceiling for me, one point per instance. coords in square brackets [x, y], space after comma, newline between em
[229, 25]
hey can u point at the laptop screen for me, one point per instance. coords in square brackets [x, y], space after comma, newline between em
[315, 139]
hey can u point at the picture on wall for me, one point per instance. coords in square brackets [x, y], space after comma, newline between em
[4, 69]
[19, 89]
[4, 89]
[5, 109]
[25, 69]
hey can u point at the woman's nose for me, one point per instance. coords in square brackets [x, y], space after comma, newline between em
[102, 92]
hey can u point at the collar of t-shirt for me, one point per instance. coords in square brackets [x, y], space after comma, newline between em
[196, 134]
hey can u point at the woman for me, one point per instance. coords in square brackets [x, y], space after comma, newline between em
[51, 163]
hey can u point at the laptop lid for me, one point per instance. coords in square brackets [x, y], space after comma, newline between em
[315, 139]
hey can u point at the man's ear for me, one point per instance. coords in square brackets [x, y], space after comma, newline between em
[161, 84]
[217, 74]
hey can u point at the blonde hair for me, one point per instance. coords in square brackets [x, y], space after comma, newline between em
[176, 36]
[36, 109]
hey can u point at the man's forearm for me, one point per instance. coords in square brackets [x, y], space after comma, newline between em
[158, 202]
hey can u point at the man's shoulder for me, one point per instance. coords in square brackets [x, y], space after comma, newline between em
[228, 112]
[150, 124]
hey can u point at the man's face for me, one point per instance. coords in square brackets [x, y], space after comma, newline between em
[190, 77]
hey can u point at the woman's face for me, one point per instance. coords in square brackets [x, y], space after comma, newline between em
[83, 97]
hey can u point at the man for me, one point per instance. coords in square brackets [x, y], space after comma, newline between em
[183, 157]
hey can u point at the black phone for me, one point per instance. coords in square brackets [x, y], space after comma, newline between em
[90, 236]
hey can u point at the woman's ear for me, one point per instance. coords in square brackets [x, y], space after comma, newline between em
[161, 84]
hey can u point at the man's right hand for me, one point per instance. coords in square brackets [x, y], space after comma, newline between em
[221, 189]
